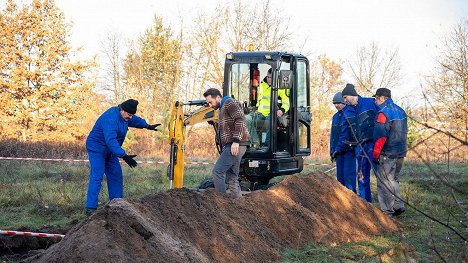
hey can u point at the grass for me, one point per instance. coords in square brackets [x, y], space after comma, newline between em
[37, 194]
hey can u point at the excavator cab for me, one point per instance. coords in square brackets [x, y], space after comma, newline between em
[274, 90]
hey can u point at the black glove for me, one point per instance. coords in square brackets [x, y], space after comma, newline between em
[333, 156]
[376, 160]
[130, 161]
[153, 127]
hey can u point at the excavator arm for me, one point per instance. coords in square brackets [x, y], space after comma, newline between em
[177, 135]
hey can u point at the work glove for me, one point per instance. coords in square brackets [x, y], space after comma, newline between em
[334, 155]
[153, 127]
[376, 161]
[129, 160]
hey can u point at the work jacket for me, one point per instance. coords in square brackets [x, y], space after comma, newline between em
[264, 98]
[364, 119]
[109, 131]
[335, 130]
[345, 136]
[391, 131]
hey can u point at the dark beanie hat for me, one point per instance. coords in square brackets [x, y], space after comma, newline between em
[383, 92]
[129, 106]
[349, 90]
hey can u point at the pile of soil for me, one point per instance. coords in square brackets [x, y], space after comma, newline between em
[184, 225]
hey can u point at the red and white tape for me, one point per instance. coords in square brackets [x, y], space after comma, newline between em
[144, 162]
[319, 164]
[29, 234]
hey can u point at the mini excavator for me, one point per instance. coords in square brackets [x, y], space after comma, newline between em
[278, 144]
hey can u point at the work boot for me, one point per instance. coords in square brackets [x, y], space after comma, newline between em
[90, 211]
[399, 211]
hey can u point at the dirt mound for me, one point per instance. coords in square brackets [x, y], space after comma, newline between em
[188, 226]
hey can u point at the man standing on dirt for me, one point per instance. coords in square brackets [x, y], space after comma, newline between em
[363, 127]
[340, 148]
[390, 133]
[234, 138]
[104, 146]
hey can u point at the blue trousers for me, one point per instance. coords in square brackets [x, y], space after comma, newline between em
[365, 166]
[346, 169]
[104, 163]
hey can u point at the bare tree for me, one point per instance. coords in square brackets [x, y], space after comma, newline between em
[238, 25]
[270, 29]
[266, 29]
[202, 68]
[446, 94]
[112, 49]
[374, 68]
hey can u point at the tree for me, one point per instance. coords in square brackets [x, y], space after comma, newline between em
[113, 62]
[373, 68]
[446, 95]
[230, 28]
[152, 70]
[325, 78]
[43, 89]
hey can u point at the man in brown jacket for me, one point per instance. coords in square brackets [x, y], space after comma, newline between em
[234, 138]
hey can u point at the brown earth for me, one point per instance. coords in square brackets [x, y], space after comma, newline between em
[188, 226]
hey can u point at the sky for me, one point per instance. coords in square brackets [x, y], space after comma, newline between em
[334, 27]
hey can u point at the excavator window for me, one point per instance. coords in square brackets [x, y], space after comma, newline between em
[253, 85]
[303, 110]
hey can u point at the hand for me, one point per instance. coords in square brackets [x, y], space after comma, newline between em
[334, 155]
[153, 127]
[376, 160]
[279, 113]
[130, 161]
[235, 148]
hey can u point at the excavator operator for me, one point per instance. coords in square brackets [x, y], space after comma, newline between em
[262, 115]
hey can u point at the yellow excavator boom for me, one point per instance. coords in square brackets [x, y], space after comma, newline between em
[177, 135]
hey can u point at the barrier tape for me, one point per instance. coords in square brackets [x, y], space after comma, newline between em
[144, 162]
[319, 164]
[29, 234]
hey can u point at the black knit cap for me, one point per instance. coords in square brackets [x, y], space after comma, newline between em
[349, 90]
[129, 106]
[383, 92]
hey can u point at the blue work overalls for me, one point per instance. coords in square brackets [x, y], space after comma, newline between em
[104, 146]
[364, 120]
[340, 139]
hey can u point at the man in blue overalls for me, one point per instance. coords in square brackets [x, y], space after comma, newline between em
[340, 148]
[363, 120]
[104, 146]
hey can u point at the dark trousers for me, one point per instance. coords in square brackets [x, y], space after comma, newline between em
[226, 170]
[388, 185]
